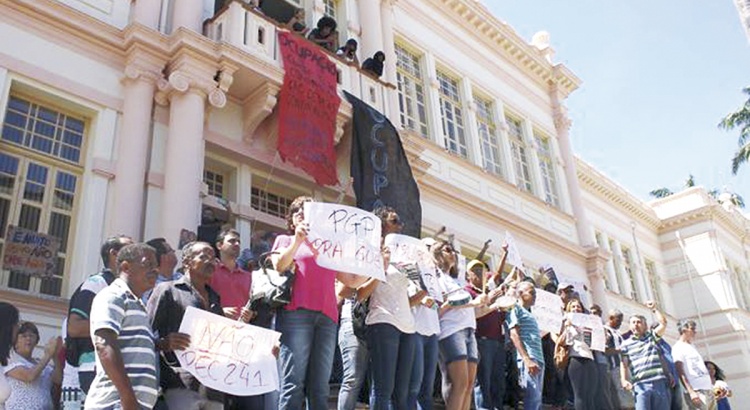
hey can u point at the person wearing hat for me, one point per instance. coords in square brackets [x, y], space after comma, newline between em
[565, 291]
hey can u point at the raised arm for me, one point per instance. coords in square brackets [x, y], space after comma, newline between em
[27, 375]
[660, 318]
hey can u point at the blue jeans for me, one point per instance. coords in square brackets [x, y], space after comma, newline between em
[308, 343]
[652, 395]
[422, 383]
[391, 361]
[489, 389]
[532, 385]
[354, 356]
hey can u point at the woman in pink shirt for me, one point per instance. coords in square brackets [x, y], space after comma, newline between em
[308, 324]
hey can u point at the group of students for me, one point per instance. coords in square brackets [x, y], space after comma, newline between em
[122, 331]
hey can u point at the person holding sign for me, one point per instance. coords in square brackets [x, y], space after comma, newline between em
[390, 334]
[308, 323]
[458, 345]
[166, 307]
[524, 332]
[582, 369]
[126, 375]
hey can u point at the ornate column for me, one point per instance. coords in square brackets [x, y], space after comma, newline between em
[372, 27]
[562, 125]
[147, 12]
[187, 13]
[186, 90]
[596, 261]
[139, 85]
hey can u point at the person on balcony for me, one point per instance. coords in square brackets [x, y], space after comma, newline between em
[349, 51]
[374, 64]
[296, 24]
[325, 34]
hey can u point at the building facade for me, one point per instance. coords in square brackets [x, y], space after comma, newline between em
[139, 117]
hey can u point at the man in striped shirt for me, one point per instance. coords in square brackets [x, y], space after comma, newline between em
[524, 332]
[642, 368]
[120, 330]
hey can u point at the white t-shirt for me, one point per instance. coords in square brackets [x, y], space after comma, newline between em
[4, 388]
[692, 363]
[455, 319]
[389, 302]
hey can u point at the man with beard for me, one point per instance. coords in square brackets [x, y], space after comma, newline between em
[166, 308]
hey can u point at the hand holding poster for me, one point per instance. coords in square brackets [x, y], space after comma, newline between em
[547, 311]
[514, 256]
[347, 239]
[407, 250]
[229, 356]
[590, 325]
[30, 252]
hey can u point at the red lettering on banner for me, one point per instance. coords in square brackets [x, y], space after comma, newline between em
[308, 105]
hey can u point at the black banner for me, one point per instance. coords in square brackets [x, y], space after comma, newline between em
[380, 169]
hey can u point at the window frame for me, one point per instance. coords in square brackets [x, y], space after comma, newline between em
[546, 158]
[452, 116]
[489, 137]
[410, 85]
[519, 153]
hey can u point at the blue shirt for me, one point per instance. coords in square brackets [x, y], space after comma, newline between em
[528, 329]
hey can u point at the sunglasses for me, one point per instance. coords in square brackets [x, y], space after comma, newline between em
[395, 221]
[448, 249]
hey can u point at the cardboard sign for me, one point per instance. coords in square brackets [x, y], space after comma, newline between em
[548, 311]
[405, 250]
[229, 356]
[514, 256]
[346, 239]
[30, 252]
[593, 330]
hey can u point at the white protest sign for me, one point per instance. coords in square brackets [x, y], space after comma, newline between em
[229, 356]
[514, 256]
[547, 311]
[406, 249]
[593, 329]
[461, 267]
[347, 239]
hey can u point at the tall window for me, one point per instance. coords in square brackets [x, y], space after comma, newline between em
[518, 153]
[452, 115]
[653, 280]
[488, 136]
[215, 182]
[629, 270]
[269, 203]
[329, 8]
[39, 192]
[547, 169]
[411, 98]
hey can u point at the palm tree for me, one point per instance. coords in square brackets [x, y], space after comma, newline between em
[661, 193]
[740, 119]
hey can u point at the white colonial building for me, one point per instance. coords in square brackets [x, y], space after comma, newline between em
[122, 116]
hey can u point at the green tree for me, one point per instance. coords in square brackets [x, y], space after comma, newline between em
[740, 119]
[716, 194]
[661, 193]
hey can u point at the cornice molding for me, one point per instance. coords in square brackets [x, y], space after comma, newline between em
[600, 185]
[478, 19]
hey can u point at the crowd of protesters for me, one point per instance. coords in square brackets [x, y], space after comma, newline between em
[122, 330]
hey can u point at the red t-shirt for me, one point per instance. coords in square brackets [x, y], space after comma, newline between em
[232, 286]
[314, 286]
[489, 326]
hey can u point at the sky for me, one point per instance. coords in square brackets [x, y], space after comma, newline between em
[658, 76]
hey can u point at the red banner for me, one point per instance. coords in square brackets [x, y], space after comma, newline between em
[308, 103]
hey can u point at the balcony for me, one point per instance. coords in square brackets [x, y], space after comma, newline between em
[240, 26]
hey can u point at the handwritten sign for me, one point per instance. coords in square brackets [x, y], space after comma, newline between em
[593, 329]
[514, 255]
[548, 311]
[30, 252]
[407, 249]
[229, 356]
[347, 239]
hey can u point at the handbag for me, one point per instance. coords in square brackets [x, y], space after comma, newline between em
[562, 351]
[275, 288]
[359, 315]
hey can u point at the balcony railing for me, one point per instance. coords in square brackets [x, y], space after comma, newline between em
[247, 29]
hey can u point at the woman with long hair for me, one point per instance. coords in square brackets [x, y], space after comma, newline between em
[582, 369]
[31, 380]
[458, 350]
[721, 388]
[308, 324]
[8, 331]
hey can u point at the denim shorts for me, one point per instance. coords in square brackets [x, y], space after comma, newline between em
[461, 345]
